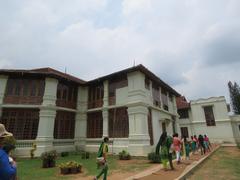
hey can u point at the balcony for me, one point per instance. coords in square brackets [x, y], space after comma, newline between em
[95, 104]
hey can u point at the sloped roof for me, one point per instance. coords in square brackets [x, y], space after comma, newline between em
[48, 72]
[182, 103]
[142, 69]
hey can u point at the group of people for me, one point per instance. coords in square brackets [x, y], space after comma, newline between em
[8, 167]
[167, 145]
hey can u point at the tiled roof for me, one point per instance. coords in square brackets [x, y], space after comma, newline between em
[61, 74]
[142, 69]
[182, 103]
[47, 72]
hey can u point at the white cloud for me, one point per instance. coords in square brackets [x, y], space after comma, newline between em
[177, 40]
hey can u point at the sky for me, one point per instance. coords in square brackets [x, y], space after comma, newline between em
[192, 45]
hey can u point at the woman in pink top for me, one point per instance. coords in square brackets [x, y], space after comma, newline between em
[177, 146]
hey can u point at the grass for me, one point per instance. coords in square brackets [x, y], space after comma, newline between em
[224, 164]
[31, 168]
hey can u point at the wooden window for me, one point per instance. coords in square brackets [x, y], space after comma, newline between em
[64, 127]
[95, 96]
[209, 116]
[156, 95]
[183, 113]
[150, 128]
[164, 129]
[24, 91]
[114, 84]
[67, 95]
[94, 125]
[184, 132]
[147, 83]
[23, 123]
[118, 126]
[164, 99]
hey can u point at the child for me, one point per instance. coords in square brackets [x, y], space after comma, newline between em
[193, 145]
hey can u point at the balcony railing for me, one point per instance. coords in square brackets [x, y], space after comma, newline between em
[23, 99]
[112, 100]
[67, 104]
[95, 104]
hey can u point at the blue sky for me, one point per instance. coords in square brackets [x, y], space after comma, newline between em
[193, 45]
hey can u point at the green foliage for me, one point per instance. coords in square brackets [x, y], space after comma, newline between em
[238, 145]
[32, 151]
[154, 158]
[50, 155]
[124, 155]
[70, 164]
[64, 154]
[85, 155]
[234, 91]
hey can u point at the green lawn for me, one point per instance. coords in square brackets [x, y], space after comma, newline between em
[29, 169]
[222, 165]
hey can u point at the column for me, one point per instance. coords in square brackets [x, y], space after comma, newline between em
[105, 97]
[81, 118]
[160, 91]
[3, 83]
[47, 117]
[105, 109]
[139, 140]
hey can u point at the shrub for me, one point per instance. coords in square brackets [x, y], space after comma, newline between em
[49, 159]
[124, 155]
[32, 151]
[64, 154]
[238, 145]
[154, 158]
[85, 155]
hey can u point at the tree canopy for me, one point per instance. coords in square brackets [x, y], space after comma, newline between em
[234, 91]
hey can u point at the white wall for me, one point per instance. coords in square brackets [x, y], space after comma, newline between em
[196, 123]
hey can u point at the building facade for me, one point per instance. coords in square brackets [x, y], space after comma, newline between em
[208, 116]
[58, 111]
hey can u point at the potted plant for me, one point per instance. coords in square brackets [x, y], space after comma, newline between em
[70, 167]
[49, 159]
[124, 155]
[63, 168]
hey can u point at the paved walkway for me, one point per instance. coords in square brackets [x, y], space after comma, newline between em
[170, 175]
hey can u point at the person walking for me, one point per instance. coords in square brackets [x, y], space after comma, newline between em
[207, 143]
[193, 145]
[177, 143]
[187, 147]
[102, 159]
[165, 142]
[201, 144]
[8, 170]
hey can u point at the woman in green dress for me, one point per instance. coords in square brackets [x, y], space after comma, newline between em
[165, 143]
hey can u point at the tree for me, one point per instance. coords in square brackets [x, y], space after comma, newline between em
[234, 91]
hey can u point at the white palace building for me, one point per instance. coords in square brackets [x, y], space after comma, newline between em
[132, 107]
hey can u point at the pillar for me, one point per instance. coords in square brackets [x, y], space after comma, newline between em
[81, 118]
[139, 140]
[47, 117]
[105, 109]
[3, 83]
